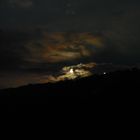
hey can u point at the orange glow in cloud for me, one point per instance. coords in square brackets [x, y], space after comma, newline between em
[61, 46]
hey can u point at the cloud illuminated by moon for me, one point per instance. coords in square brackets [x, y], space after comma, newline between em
[70, 73]
[61, 46]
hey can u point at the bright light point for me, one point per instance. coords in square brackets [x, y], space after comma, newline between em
[71, 71]
[104, 73]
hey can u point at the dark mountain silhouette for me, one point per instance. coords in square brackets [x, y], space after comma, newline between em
[114, 87]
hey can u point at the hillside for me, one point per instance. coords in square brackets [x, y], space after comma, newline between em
[119, 85]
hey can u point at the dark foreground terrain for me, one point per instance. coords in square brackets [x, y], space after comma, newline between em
[113, 88]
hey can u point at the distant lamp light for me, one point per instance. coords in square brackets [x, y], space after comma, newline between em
[104, 73]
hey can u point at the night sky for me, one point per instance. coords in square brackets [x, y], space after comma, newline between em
[38, 37]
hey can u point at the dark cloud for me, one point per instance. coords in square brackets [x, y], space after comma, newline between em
[12, 49]
[62, 47]
[21, 3]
